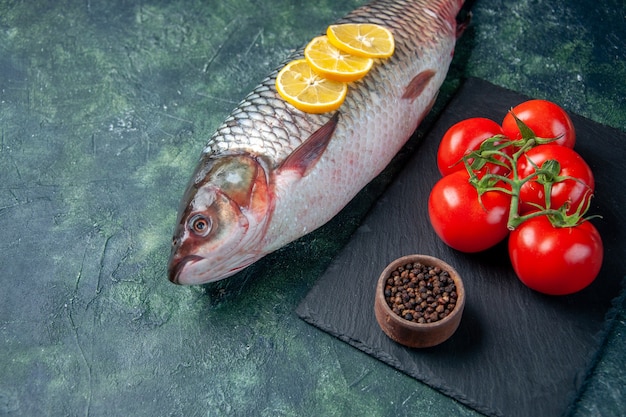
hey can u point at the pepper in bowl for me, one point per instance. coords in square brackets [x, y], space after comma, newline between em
[419, 301]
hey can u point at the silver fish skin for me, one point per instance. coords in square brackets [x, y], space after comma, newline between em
[271, 174]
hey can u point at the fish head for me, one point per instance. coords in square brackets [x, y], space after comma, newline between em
[222, 220]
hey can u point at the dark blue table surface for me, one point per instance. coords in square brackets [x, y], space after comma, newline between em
[104, 108]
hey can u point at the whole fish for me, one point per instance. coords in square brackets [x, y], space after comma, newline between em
[271, 173]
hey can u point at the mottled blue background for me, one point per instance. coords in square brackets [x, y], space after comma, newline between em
[104, 108]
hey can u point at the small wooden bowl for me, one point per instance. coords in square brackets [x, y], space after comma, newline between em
[408, 333]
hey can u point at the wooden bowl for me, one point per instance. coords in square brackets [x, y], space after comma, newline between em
[409, 333]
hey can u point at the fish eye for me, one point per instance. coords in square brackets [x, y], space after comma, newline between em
[200, 225]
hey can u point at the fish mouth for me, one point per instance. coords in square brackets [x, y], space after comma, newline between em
[176, 267]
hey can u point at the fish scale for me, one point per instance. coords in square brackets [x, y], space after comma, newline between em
[289, 171]
[265, 124]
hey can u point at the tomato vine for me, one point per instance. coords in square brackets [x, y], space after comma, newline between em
[492, 151]
[527, 184]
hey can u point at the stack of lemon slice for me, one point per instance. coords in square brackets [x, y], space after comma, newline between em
[318, 83]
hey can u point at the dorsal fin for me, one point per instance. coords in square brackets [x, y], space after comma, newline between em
[417, 84]
[304, 157]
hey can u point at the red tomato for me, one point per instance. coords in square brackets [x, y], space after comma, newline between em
[546, 119]
[462, 138]
[460, 220]
[555, 260]
[571, 191]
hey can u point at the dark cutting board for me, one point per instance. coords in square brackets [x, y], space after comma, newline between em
[516, 352]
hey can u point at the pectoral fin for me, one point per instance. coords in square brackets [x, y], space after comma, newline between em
[305, 156]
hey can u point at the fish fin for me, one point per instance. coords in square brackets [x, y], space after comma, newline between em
[464, 17]
[417, 84]
[304, 157]
[462, 23]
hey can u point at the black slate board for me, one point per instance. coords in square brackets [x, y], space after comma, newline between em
[516, 352]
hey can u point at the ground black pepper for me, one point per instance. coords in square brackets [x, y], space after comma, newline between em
[420, 293]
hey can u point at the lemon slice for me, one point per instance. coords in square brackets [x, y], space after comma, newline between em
[333, 63]
[362, 39]
[308, 91]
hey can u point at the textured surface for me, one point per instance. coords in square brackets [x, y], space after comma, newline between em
[508, 333]
[104, 109]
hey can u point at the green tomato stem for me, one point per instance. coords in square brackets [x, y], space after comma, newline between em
[489, 182]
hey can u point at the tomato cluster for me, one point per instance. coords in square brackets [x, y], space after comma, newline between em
[522, 180]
